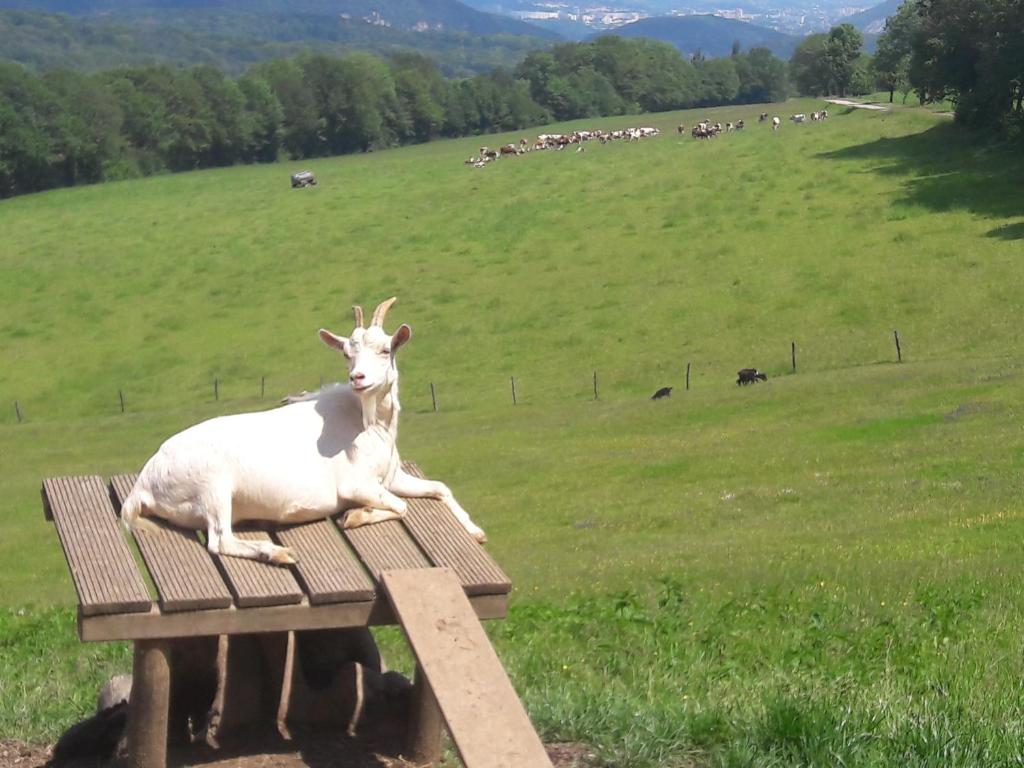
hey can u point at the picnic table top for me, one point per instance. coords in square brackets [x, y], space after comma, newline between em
[336, 582]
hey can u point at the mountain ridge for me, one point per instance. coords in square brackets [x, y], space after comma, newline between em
[711, 35]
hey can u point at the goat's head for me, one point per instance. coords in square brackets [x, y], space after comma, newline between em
[370, 351]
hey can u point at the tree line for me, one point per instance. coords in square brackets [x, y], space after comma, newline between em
[968, 52]
[971, 53]
[65, 127]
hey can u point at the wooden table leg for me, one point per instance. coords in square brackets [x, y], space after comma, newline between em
[148, 708]
[425, 722]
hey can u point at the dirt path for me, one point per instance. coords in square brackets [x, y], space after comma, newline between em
[857, 105]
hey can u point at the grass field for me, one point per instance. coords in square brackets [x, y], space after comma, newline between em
[821, 570]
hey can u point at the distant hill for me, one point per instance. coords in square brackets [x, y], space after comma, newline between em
[712, 35]
[44, 41]
[273, 17]
[873, 19]
[231, 35]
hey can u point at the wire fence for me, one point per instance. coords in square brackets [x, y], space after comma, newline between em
[590, 386]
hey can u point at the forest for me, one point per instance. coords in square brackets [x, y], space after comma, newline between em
[65, 127]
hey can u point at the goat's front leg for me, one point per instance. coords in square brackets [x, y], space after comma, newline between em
[414, 487]
[378, 505]
[221, 539]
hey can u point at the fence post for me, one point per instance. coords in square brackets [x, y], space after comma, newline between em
[17, 411]
[514, 390]
[687, 377]
[433, 396]
[794, 357]
[595, 385]
[120, 396]
[899, 352]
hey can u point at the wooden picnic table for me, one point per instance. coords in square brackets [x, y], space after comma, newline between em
[337, 583]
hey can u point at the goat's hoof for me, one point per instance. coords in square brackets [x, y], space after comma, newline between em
[480, 536]
[284, 556]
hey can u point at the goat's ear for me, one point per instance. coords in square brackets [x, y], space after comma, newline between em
[339, 343]
[402, 335]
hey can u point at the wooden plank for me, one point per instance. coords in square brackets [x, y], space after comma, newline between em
[385, 546]
[256, 584]
[278, 618]
[448, 544]
[102, 567]
[327, 567]
[486, 720]
[184, 573]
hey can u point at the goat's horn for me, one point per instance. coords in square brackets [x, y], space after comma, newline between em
[358, 312]
[381, 310]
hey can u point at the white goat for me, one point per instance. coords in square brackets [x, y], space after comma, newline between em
[302, 462]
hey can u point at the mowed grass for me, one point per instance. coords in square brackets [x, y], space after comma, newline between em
[820, 570]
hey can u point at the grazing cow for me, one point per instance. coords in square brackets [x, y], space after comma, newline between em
[663, 392]
[681, 129]
[798, 118]
[776, 123]
[739, 125]
[763, 117]
[750, 376]
[509, 149]
[823, 114]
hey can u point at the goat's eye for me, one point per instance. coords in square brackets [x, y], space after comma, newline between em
[385, 351]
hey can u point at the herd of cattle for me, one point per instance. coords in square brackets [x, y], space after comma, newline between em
[560, 141]
[705, 129]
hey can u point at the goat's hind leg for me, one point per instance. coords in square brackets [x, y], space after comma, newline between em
[414, 487]
[221, 540]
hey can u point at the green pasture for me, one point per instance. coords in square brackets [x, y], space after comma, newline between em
[825, 569]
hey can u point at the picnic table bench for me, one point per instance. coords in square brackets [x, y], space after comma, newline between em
[400, 571]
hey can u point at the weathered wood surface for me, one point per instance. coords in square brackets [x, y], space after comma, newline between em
[102, 566]
[256, 584]
[385, 546]
[449, 545]
[486, 720]
[328, 569]
[200, 593]
[275, 618]
[183, 571]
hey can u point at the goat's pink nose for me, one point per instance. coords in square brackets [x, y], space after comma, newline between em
[357, 376]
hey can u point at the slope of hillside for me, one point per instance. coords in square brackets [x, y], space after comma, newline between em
[821, 569]
[711, 35]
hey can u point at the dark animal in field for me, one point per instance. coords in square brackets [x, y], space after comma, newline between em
[763, 117]
[303, 179]
[663, 392]
[750, 376]
[681, 128]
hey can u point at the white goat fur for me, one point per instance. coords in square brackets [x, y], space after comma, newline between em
[302, 462]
